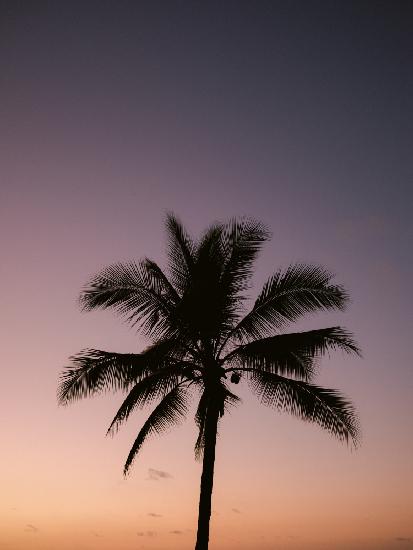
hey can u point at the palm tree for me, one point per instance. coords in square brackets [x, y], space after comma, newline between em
[202, 343]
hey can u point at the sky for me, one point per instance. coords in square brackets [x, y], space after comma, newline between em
[296, 113]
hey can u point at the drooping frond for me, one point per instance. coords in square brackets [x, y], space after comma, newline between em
[170, 411]
[294, 354]
[220, 398]
[288, 295]
[151, 388]
[134, 291]
[200, 417]
[325, 407]
[93, 371]
[229, 398]
[181, 252]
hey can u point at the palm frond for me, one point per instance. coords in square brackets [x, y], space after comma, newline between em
[159, 281]
[240, 242]
[151, 388]
[200, 417]
[171, 410]
[230, 399]
[288, 295]
[294, 354]
[93, 371]
[222, 399]
[325, 407]
[220, 271]
[134, 292]
[200, 309]
[181, 252]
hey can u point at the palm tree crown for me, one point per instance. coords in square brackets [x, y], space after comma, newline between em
[201, 342]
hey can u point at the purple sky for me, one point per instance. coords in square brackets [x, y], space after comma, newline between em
[296, 113]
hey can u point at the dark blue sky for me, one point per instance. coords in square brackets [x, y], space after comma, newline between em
[313, 96]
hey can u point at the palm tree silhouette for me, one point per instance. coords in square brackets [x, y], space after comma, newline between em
[202, 343]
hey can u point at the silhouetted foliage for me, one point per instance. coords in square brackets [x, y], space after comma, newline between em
[193, 316]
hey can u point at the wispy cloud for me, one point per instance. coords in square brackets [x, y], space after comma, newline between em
[158, 474]
[154, 515]
[31, 528]
[176, 532]
[146, 533]
[404, 539]
[236, 511]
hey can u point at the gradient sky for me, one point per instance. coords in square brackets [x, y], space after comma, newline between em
[112, 113]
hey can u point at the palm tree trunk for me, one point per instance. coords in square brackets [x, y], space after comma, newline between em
[207, 479]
